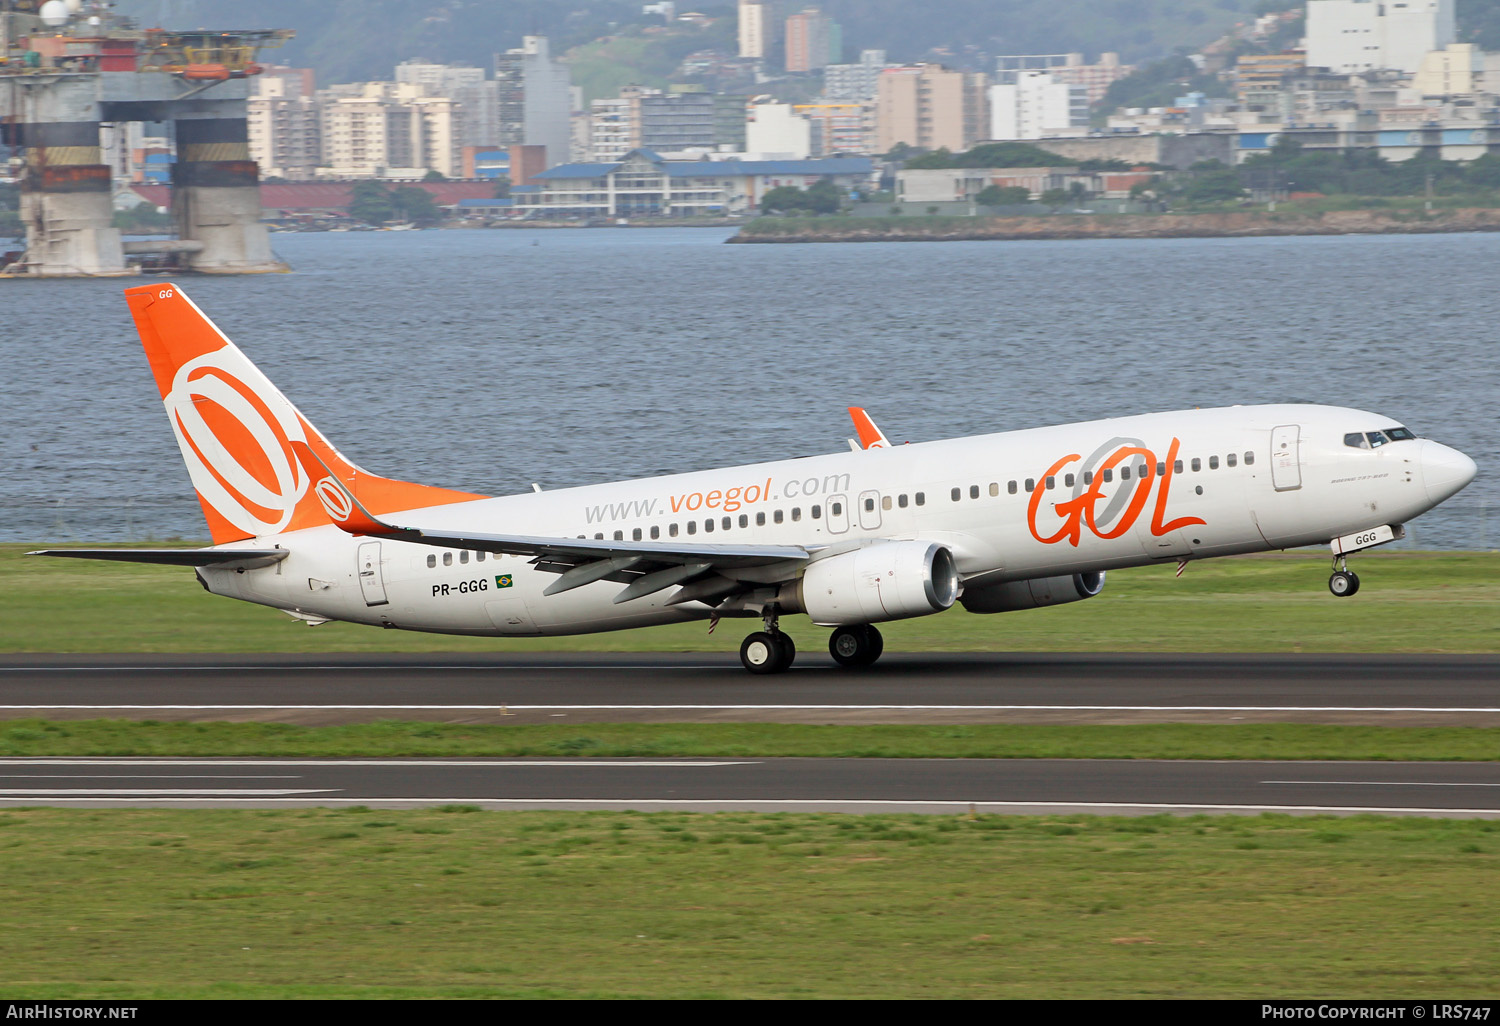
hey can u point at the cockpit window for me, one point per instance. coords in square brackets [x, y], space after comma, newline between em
[1356, 440]
[1377, 439]
[1399, 434]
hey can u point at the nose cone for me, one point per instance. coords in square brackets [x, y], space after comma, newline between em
[1444, 471]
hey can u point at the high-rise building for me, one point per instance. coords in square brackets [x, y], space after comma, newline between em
[757, 30]
[282, 123]
[854, 81]
[1350, 37]
[1035, 106]
[466, 85]
[676, 121]
[1068, 68]
[374, 129]
[931, 107]
[807, 40]
[533, 99]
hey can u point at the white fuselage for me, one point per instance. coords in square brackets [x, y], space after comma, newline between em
[1242, 479]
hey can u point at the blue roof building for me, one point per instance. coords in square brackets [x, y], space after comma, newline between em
[643, 184]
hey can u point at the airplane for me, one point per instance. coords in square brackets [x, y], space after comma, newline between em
[996, 523]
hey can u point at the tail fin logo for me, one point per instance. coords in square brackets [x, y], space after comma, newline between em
[236, 443]
[335, 503]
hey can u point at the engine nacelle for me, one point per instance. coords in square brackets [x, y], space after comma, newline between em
[889, 581]
[1033, 594]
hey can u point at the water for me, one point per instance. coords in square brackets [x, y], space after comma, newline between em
[485, 360]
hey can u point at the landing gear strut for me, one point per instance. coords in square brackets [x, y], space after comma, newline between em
[856, 645]
[1344, 582]
[768, 651]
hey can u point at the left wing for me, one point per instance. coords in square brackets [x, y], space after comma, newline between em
[706, 572]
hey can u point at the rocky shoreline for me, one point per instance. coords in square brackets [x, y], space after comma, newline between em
[1122, 226]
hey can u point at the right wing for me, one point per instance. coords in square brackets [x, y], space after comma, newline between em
[704, 572]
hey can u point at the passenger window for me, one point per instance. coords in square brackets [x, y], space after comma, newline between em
[869, 505]
[1068, 481]
[1051, 482]
[1232, 459]
[479, 557]
[1249, 458]
[635, 535]
[1109, 475]
[708, 526]
[432, 560]
[1124, 473]
[796, 513]
[655, 533]
[973, 491]
[1161, 468]
[672, 530]
[1030, 485]
[994, 488]
[834, 509]
[760, 520]
[463, 557]
[901, 500]
[744, 520]
[599, 536]
[885, 502]
[817, 512]
[692, 527]
[447, 559]
[1213, 463]
[921, 498]
[777, 516]
[1010, 487]
[956, 493]
[1088, 477]
[726, 523]
[619, 536]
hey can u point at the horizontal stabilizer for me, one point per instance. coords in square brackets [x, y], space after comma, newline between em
[247, 559]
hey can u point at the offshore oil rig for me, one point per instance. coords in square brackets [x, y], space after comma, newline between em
[69, 66]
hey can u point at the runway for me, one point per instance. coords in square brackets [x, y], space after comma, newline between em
[1399, 690]
[1109, 787]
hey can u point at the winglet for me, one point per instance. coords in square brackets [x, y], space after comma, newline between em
[341, 505]
[870, 436]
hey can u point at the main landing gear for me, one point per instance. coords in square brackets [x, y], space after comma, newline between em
[768, 651]
[1344, 582]
[856, 645]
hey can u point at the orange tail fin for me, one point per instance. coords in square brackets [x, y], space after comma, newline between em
[235, 429]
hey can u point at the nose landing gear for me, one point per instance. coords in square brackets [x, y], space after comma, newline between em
[1344, 582]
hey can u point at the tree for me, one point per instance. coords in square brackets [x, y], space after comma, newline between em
[1002, 195]
[781, 199]
[1055, 198]
[823, 197]
[1000, 154]
[371, 203]
[502, 187]
[415, 204]
[434, 175]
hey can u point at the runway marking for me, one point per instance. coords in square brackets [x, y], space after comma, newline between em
[507, 707]
[877, 803]
[722, 665]
[150, 776]
[167, 760]
[1385, 783]
[48, 792]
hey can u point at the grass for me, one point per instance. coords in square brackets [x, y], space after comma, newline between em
[461, 903]
[391, 739]
[1422, 602]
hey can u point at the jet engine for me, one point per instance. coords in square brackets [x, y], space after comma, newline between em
[889, 581]
[1033, 593]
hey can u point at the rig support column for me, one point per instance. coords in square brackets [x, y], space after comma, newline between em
[66, 201]
[216, 198]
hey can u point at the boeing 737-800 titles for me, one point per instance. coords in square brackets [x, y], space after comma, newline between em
[1000, 522]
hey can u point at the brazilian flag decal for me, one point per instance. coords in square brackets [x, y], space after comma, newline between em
[504, 581]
